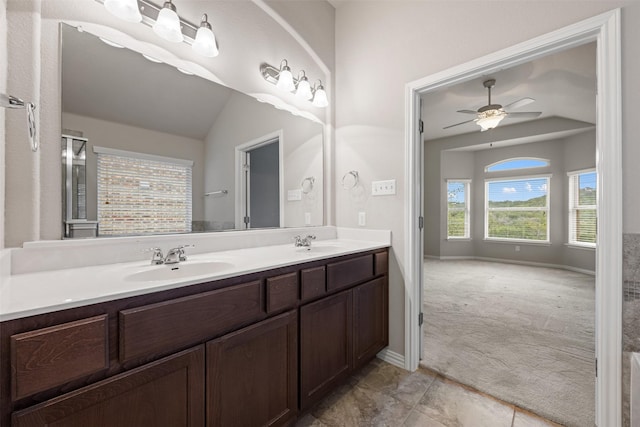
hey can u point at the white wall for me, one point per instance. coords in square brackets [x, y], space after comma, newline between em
[3, 89]
[103, 133]
[374, 61]
[302, 157]
[246, 33]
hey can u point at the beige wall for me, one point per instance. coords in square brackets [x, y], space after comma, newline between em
[3, 89]
[103, 133]
[246, 33]
[373, 65]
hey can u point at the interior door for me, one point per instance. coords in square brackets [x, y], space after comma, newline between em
[262, 186]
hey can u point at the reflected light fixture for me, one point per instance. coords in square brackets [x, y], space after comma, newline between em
[110, 43]
[167, 25]
[303, 90]
[124, 9]
[320, 97]
[285, 78]
[489, 119]
[205, 42]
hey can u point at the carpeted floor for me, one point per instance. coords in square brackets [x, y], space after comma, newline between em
[522, 334]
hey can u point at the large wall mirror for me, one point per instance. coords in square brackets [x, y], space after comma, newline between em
[164, 151]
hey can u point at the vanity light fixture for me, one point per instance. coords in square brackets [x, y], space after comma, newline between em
[151, 58]
[320, 96]
[110, 43]
[167, 25]
[283, 79]
[124, 9]
[205, 42]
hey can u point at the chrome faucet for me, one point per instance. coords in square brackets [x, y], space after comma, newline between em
[176, 255]
[157, 258]
[303, 242]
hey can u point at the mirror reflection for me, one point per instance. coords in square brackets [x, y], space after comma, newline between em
[164, 151]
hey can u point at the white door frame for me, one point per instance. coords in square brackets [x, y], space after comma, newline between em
[605, 30]
[239, 172]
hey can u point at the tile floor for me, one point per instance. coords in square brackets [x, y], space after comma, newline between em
[383, 395]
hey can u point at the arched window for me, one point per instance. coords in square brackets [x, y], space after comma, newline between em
[517, 163]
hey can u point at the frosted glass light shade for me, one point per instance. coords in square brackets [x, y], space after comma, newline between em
[285, 80]
[490, 119]
[168, 24]
[126, 10]
[320, 98]
[205, 43]
[304, 89]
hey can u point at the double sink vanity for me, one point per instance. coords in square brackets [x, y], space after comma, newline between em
[251, 336]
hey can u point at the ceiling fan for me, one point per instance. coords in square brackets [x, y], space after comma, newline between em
[489, 116]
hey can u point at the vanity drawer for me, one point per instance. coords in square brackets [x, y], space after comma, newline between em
[53, 356]
[171, 325]
[381, 263]
[282, 292]
[313, 283]
[346, 273]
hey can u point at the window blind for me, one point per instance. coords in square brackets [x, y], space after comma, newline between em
[517, 209]
[582, 208]
[138, 195]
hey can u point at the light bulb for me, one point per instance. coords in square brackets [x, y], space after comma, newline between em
[205, 42]
[285, 78]
[124, 9]
[304, 89]
[320, 98]
[167, 25]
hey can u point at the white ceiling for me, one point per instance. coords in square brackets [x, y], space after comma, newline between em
[120, 85]
[563, 85]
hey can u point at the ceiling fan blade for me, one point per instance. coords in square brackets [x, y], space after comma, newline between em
[519, 103]
[458, 124]
[524, 115]
[467, 111]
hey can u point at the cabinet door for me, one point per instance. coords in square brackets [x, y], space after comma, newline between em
[370, 320]
[325, 346]
[166, 393]
[252, 374]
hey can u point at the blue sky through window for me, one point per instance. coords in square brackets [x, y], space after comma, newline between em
[517, 164]
[517, 189]
[588, 180]
[455, 191]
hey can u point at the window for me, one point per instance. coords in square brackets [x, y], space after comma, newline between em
[517, 209]
[458, 209]
[582, 208]
[517, 163]
[142, 194]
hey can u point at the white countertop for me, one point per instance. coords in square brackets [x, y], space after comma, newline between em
[29, 294]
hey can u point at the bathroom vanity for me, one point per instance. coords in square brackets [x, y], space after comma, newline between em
[249, 349]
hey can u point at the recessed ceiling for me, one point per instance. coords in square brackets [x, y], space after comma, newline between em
[563, 85]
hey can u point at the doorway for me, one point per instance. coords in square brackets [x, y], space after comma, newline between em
[605, 30]
[260, 181]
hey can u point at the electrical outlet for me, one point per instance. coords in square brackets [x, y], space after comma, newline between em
[362, 219]
[307, 218]
[517, 248]
[383, 188]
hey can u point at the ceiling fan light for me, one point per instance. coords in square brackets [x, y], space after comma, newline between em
[205, 42]
[490, 119]
[126, 10]
[167, 25]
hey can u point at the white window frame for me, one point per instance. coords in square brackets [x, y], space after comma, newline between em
[574, 207]
[466, 209]
[547, 208]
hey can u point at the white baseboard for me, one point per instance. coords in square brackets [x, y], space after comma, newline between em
[513, 261]
[392, 357]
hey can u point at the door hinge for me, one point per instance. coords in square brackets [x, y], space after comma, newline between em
[420, 222]
[421, 126]
[420, 319]
[596, 367]
[246, 220]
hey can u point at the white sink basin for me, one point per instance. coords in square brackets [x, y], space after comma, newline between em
[178, 271]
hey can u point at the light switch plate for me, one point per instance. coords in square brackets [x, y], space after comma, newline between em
[383, 188]
[362, 219]
[307, 218]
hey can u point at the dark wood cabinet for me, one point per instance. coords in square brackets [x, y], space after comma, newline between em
[325, 346]
[370, 320]
[252, 375]
[249, 350]
[165, 393]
